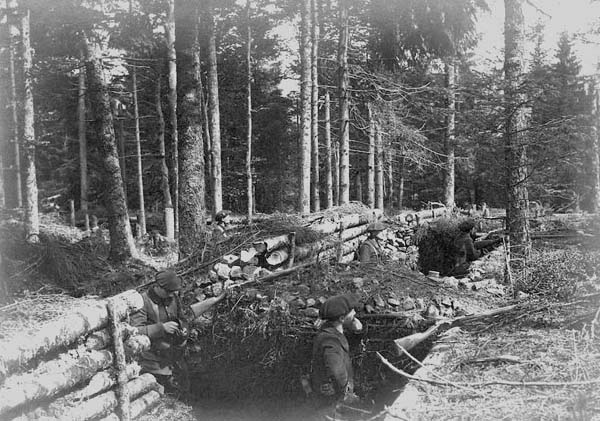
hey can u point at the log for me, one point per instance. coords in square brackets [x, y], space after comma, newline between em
[119, 361]
[138, 406]
[104, 403]
[60, 333]
[100, 382]
[307, 250]
[52, 377]
[102, 338]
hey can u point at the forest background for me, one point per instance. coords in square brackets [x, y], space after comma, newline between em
[175, 109]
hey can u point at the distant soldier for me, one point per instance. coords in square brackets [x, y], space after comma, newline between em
[221, 221]
[332, 377]
[466, 250]
[371, 250]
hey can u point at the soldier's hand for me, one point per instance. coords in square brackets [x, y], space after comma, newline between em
[171, 327]
[327, 389]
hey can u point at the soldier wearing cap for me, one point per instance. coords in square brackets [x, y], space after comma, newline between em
[222, 220]
[332, 375]
[160, 320]
[467, 250]
[370, 251]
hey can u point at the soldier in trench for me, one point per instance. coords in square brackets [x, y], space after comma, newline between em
[467, 250]
[162, 320]
[332, 379]
[371, 250]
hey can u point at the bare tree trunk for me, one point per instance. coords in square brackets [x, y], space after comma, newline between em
[12, 33]
[344, 100]
[515, 148]
[595, 149]
[315, 190]
[359, 186]
[449, 135]
[138, 150]
[81, 128]
[249, 183]
[305, 107]
[389, 174]
[371, 162]
[401, 182]
[215, 116]
[164, 169]
[122, 245]
[328, 152]
[122, 153]
[172, 96]
[379, 164]
[32, 219]
[192, 204]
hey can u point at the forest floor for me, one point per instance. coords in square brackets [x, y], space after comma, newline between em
[543, 358]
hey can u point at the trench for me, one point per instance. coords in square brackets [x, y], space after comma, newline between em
[375, 383]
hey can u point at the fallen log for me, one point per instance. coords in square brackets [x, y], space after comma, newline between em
[407, 343]
[61, 332]
[105, 403]
[138, 406]
[52, 377]
[123, 396]
[312, 249]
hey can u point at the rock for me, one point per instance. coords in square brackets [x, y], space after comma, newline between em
[432, 311]
[212, 275]
[379, 301]
[200, 297]
[229, 258]
[311, 312]
[393, 302]
[222, 270]
[322, 299]
[216, 288]
[408, 304]
[236, 273]
[299, 302]
[369, 308]
[475, 276]
[311, 302]
[420, 304]
[446, 302]
[358, 283]
[247, 255]
[450, 281]
[303, 290]
[250, 270]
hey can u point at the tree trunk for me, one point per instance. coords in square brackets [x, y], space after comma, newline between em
[52, 377]
[61, 332]
[12, 19]
[328, 153]
[344, 104]
[215, 116]
[305, 107]
[122, 245]
[389, 173]
[164, 169]
[32, 219]
[192, 205]
[105, 403]
[359, 187]
[515, 148]
[595, 149]
[172, 96]
[139, 406]
[138, 150]
[371, 162]
[249, 183]
[379, 163]
[314, 73]
[120, 135]
[449, 135]
[401, 182]
[81, 128]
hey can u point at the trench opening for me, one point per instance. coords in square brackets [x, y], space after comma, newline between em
[263, 382]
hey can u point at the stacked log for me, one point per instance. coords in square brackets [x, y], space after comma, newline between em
[74, 357]
[342, 234]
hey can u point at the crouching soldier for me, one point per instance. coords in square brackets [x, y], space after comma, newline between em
[160, 320]
[332, 376]
[466, 250]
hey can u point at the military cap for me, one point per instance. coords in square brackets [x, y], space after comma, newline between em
[338, 306]
[221, 215]
[466, 225]
[168, 280]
